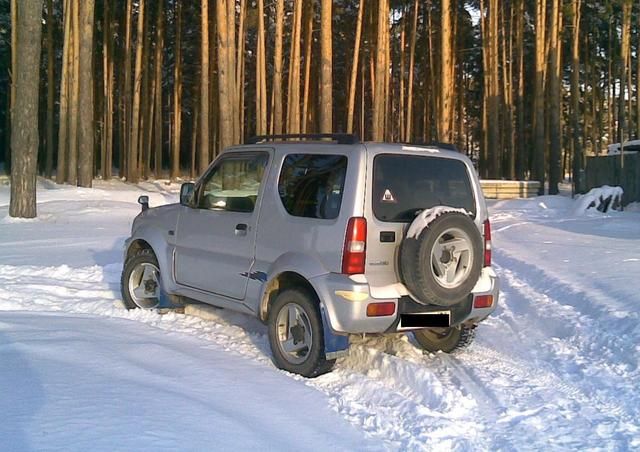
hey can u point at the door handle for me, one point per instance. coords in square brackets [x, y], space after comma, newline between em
[241, 229]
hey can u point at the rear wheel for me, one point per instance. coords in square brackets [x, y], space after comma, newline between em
[140, 281]
[445, 339]
[296, 335]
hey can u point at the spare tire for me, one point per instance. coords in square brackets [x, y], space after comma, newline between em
[442, 263]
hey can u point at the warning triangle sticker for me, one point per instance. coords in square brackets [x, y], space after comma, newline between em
[388, 196]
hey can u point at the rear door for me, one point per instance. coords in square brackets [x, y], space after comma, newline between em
[402, 186]
[215, 243]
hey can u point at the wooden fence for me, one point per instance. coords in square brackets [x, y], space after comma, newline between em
[610, 170]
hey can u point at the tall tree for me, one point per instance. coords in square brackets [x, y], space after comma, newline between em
[27, 44]
[446, 104]
[261, 75]
[326, 79]
[225, 69]
[159, 60]
[293, 96]
[51, 89]
[575, 94]
[555, 97]
[412, 59]
[203, 160]
[65, 97]
[538, 172]
[86, 111]
[133, 171]
[381, 68]
[354, 69]
[276, 122]
[177, 97]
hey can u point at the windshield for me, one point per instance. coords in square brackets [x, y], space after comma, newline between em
[404, 185]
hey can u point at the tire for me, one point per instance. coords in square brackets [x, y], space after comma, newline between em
[445, 339]
[299, 351]
[140, 282]
[442, 265]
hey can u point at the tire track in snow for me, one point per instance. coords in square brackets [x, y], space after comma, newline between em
[396, 400]
[481, 399]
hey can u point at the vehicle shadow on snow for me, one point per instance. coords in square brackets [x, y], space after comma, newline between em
[21, 396]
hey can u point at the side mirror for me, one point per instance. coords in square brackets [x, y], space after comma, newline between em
[186, 193]
[144, 202]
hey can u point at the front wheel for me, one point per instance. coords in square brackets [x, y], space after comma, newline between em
[141, 281]
[296, 335]
[444, 339]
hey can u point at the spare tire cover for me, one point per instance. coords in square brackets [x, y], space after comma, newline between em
[440, 263]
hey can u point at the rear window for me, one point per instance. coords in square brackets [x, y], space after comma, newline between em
[311, 185]
[404, 185]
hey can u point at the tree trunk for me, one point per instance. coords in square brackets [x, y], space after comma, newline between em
[539, 135]
[575, 97]
[126, 135]
[493, 101]
[445, 115]
[277, 69]
[86, 123]
[625, 56]
[354, 69]
[177, 98]
[63, 128]
[224, 75]
[106, 159]
[308, 58]
[133, 174]
[379, 101]
[555, 95]
[203, 160]
[412, 59]
[51, 91]
[293, 97]
[326, 63]
[521, 152]
[26, 42]
[261, 75]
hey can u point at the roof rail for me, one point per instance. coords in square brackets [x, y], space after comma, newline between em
[339, 138]
[445, 146]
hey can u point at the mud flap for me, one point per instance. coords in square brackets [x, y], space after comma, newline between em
[165, 301]
[335, 345]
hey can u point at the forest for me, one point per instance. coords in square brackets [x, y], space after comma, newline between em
[142, 89]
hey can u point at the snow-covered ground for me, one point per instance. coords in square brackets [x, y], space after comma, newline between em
[555, 368]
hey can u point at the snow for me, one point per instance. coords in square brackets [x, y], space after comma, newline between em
[426, 217]
[555, 368]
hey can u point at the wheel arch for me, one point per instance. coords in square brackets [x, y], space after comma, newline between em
[153, 239]
[283, 281]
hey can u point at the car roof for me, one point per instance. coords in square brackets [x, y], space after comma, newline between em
[435, 150]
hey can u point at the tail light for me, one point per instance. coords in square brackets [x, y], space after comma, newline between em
[355, 247]
[487, 244]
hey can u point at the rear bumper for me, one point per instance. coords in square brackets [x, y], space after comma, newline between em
[345, 302]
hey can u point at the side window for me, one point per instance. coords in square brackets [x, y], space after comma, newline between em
[311, 185]
[234, 183]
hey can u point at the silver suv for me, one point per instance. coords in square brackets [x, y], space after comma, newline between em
[321, 237]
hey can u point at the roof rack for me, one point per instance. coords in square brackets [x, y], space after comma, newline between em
[339, 138]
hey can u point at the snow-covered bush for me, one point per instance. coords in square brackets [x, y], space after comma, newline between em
[601, 199]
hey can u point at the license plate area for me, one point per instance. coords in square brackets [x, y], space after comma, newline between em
[438, 319]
